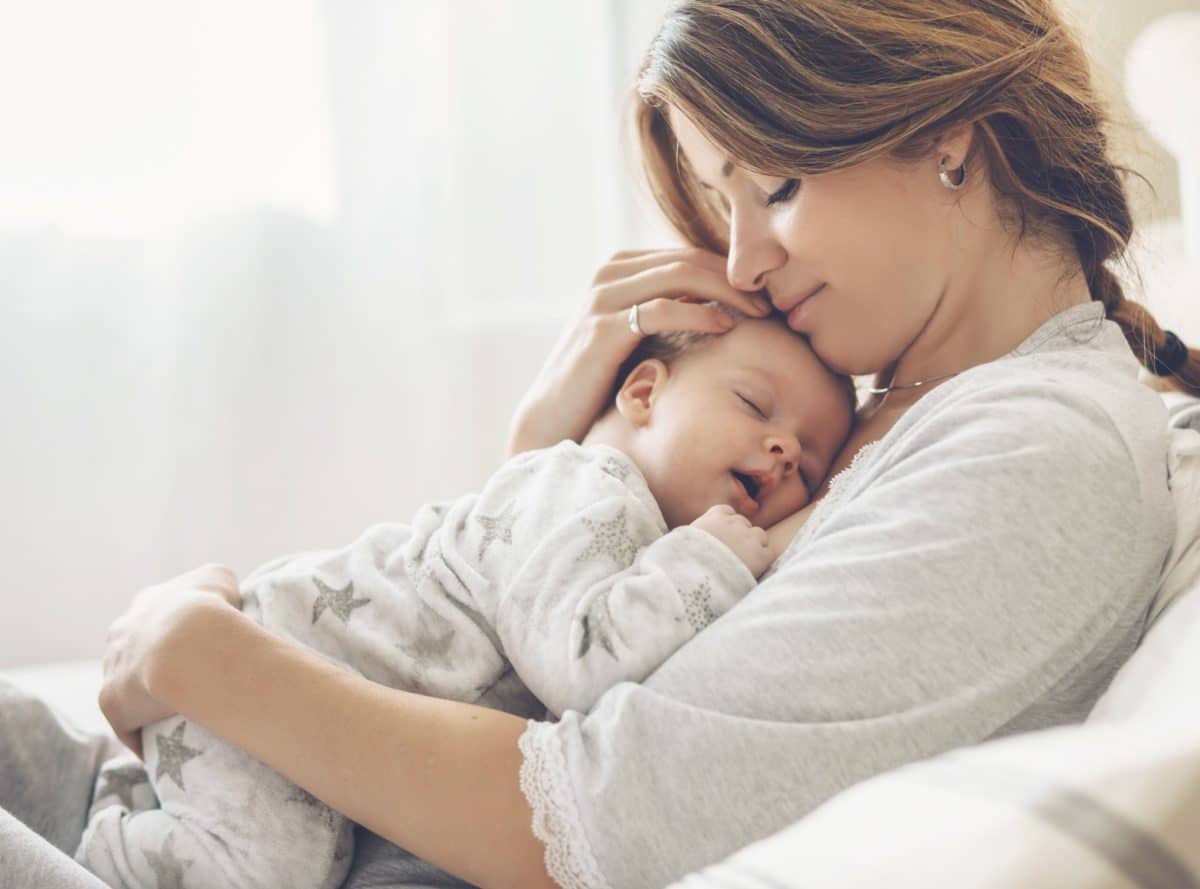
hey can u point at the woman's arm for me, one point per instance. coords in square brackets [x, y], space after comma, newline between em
[437, 777]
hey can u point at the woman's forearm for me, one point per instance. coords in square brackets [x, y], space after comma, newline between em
[437, 777]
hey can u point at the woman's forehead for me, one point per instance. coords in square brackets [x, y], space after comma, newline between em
[711, 167]
[706, 160]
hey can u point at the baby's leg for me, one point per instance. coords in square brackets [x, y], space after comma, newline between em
[225, 820]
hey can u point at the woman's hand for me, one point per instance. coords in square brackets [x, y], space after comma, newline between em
[135, 638]
[666, 285]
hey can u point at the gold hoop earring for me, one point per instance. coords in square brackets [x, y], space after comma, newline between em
[944, 175]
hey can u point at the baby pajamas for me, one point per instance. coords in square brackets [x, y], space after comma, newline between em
[555, 582]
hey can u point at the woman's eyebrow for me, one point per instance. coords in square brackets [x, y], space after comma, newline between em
[726, 172]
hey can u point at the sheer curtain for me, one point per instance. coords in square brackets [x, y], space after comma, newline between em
[274, 271]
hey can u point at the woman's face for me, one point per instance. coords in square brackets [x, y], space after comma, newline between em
[874, 242]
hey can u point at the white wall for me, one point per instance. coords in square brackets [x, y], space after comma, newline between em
[1108, 28]
[252, 380]
[270, 378]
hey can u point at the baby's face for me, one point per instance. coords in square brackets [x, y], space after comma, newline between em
[752, 419]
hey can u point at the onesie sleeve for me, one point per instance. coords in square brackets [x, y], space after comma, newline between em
[595, 604]
[984, 576]
[596, 593]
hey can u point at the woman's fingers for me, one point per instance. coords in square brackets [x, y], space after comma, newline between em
[675, 279]
[630, 262]
[214, 578]
[664, 315]
[136, 638]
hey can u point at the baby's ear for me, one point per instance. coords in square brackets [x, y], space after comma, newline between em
[640, 391]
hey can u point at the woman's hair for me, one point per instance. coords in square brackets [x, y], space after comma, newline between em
[795, 87]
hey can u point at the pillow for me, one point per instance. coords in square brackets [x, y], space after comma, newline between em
[1164, 672]
[1162, 678]
[1094, 806]
[1181, 571]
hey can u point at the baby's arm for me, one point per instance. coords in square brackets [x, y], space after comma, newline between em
[607, 597]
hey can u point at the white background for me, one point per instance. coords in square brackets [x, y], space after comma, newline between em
[272, 270]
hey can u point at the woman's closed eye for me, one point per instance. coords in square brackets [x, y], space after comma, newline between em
[784, 192]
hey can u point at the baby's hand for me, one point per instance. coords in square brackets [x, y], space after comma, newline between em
[749, 543]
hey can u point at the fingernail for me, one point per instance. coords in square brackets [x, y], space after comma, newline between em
[763, 305]
[726, 322]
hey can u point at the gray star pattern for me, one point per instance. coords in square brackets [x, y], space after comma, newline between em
[119, 781]
[328, 817]
[254, 809]
[615, 468]
[698, 606]
[598, 626]
[418, 567]
[168, 870]
[497, 528]
[340, 602]
[430, 644]
[611, 538]
[173, 754]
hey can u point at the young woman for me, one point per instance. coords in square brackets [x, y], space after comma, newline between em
[926, 192]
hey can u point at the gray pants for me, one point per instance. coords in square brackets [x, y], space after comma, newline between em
[48, 771]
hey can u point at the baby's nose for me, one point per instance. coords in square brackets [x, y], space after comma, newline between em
[786, 449]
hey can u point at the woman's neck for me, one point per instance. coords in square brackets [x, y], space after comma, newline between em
[998, 296]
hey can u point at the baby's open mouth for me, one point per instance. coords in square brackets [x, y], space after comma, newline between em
[749, 483]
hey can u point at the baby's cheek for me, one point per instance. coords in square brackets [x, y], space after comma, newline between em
[782, 503]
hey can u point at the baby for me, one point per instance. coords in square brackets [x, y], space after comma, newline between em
[576, 567]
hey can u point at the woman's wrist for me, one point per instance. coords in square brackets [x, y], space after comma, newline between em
[185, 642]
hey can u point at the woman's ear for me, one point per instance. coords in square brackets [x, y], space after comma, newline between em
[955, 145]
[640, 391]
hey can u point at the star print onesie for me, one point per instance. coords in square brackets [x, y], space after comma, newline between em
[555, 582]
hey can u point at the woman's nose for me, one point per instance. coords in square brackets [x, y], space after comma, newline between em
[752, 255]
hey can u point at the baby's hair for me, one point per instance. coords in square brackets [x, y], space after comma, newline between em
[667, 347]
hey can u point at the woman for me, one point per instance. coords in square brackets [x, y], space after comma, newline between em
[928, 196]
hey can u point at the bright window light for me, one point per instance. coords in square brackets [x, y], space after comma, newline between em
[130, 117]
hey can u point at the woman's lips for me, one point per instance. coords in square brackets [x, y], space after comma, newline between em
[800, 311]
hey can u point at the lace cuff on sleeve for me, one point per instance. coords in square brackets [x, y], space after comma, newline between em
[556, 822]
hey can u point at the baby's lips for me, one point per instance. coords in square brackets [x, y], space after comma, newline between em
[746, 504]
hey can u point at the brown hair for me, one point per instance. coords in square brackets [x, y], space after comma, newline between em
[667, 347]
[795, 87]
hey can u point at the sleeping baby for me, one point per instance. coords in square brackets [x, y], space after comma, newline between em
[576, 567]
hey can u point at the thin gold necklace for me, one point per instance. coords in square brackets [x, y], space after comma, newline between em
[892, 386]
